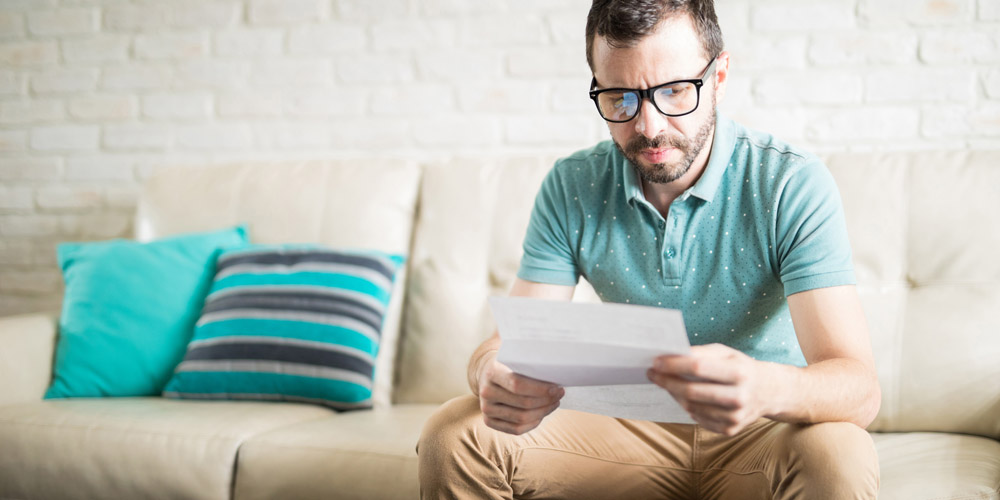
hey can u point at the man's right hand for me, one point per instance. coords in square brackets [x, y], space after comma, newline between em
[513, 403]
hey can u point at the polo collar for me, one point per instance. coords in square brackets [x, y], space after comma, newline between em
[708, 184]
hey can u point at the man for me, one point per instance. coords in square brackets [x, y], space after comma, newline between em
[687, 210]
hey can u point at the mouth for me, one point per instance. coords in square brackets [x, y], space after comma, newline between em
[657, 155]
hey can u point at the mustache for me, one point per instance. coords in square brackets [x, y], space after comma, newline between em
[637, 144]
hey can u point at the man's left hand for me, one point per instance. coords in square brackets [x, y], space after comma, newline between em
[721, 388]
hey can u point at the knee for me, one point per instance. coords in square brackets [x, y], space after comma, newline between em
[835, 456]
[448, 428]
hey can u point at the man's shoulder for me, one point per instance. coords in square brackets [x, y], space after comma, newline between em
[586, 166]
[773, 158]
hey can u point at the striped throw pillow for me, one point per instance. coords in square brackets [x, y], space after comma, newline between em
[289, 323]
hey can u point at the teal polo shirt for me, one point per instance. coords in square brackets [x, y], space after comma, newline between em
[763, 221]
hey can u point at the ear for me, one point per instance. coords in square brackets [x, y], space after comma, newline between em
[721, 76]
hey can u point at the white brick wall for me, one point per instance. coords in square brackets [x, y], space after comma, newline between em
[96, 94]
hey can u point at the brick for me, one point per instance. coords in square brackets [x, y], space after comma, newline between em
[329, 38]
[991, 82]
[960, 47]
[812, 87]
[29, 225]
[136, 136]
[424, 99]
[570, 96]
[317, 102]
[918, 84]
[464, 8]
[858, 124]
[502, 31]
[96, 226]
[255, 43]
[30, 111]
[167, 106]
[985, 119]
[201, 14]
[900, 13]
[989, 10]
[292, 72]
[98, 49]
[11, 25]
[136, 77]
[171, 46]
[567, 28]
[62, 22]
[64, 80]
[16, 252]
[550, 62]
[62, 198]
[12, 83]
[249, 104]
[104, 107]
[366, 10]
[854, 48]
[16, 199]
[30, 169]
[802, 16]
[406, 34]
[945, 121]
[375, 68]
[22, 5]
[150, 16]
[14, 304]
[491, 96]
[547, 130]
[364, 134]
[293, 135]
[214, 137]
[30, 282]
[65, 138]
[459, 64]
[286, 11]
[27, 54]
[99, 169]
[126, 197]
[456, 131]
[787, 124]
[215, 73]
[12, 141]
[753, 52]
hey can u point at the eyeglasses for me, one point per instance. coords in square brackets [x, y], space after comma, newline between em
[676, 98]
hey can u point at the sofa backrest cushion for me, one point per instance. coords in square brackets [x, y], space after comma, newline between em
[357, 204]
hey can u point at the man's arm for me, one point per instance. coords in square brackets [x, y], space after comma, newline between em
[732, 390]
[513, 403]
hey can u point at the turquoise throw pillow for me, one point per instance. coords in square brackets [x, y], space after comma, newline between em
[129, 310]
[290, 323]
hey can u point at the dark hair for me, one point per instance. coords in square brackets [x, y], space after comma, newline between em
[625, 22]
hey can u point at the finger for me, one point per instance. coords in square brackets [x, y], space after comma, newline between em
[513, 420]
[699, 367]
[498, 394]
[524, 386]
[721, 395]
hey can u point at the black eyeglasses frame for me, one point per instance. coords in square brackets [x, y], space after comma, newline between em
[648, 93]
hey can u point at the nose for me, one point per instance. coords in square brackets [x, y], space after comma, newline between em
[649, 121]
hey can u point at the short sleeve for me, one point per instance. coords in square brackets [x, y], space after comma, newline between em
[548, 255]
[813, 250]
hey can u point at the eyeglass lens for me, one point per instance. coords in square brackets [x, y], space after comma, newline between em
[677, 99]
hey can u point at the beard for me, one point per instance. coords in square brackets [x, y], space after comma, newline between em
[663, 173]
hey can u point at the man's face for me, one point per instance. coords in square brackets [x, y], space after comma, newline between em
[661, 148]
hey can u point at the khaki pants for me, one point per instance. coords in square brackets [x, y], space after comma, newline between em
[577, 455]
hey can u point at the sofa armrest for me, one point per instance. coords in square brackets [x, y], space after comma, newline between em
[27, 348]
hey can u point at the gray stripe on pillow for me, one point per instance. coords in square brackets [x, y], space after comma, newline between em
[276, 367]
[296, 302]
[355, 361]
[323, 319]
[284, 257]
[335, 293]
[337, 405]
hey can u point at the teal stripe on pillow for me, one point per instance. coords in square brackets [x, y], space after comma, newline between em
[290, 323]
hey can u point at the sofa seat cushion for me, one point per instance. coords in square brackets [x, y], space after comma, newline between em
[368, 454]
[939, 466]
[131, 447]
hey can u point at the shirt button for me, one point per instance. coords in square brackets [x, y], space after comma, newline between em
[662, 224]
[670, 253]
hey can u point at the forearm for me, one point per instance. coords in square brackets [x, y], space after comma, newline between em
[485, 351]
[833, 390]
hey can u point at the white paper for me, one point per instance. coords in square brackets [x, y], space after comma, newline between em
[598, 352]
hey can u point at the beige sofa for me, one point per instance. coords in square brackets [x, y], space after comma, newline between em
[925, 234]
